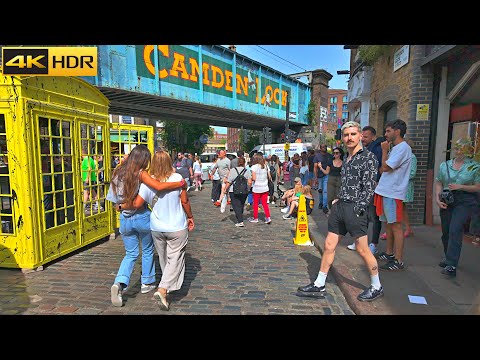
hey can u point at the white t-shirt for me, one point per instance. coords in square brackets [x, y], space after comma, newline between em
[261, 178]
[167, 214]
[394, 184]
[197, 168]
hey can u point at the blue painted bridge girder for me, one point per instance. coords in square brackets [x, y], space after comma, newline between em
[198, 83]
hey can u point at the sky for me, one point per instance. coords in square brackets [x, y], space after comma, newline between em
[291, 59]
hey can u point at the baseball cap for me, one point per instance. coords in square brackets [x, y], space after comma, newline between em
[297, 179]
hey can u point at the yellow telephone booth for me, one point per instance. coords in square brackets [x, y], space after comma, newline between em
[55, 149]
[123, 138]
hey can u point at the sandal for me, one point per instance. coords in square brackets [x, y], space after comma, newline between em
[407, 233]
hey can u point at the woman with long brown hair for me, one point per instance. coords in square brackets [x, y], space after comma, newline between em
[134, 222]
[170, 221]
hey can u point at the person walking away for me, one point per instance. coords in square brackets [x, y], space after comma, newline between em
[333, 171]
[456, 192]
[134, 223]
[373, 144]
[237, 185]
[170, 221]
[350, 214]
[197, 173]
[391, 191]
[260, 175]
[274, 168]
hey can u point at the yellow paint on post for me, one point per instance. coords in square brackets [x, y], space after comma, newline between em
[301, 233]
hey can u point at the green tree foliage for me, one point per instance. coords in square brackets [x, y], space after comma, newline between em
[371, 53]
[180, 136]
[254, 140]
[311, 113]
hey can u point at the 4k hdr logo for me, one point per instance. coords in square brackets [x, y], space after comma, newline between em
[52, 61]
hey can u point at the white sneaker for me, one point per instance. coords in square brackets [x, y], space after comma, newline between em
[268, 221]
[285, 210]
[352, 247]
[373, 248]
[240, 224]
[116, 295]
[196, 189]
[252, 220]
[147, 288]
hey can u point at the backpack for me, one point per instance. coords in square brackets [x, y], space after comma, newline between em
[240, 186]
[273, 172]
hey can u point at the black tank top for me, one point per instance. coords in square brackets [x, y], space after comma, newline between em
[335, 171]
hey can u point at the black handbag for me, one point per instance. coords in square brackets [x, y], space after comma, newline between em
[446, 196]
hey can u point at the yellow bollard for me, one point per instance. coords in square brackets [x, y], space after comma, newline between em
[301, 232]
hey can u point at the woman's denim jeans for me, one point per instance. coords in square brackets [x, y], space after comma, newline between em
[135, 230]
[453, 219]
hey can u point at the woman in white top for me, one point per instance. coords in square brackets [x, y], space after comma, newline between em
[197, 173]
[260, 176]
[170, 221]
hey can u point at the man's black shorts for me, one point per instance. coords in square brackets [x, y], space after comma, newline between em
[342, 219]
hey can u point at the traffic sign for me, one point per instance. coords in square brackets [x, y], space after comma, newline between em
[203, 138]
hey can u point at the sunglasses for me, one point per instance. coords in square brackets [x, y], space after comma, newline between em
[336, 152]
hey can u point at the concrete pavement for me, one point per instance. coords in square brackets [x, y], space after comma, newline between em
[421, 277]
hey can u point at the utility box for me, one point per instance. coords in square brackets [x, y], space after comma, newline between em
[53, 130]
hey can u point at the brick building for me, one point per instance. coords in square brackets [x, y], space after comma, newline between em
[337, 109]
[233, 139]
[422, 85]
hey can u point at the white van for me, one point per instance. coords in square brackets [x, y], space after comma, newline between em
[279, 149]
[207, 162]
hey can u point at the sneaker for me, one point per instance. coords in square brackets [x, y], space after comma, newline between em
[228, 202]
[373, 248]
[325, 210]
[161, 301]
[268, 220]
[217, 203]
[450, 271]
[383, 236]
[285, 210]
[196, 189]
[392, 265]
[385, 257]
[370, 294]
[352, 247]
[312, 290]
[287, 217]
[240, 224]
[443, 263]
[252, 220]
[116, 295]
[146, 288]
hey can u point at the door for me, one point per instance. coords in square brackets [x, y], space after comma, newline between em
[123, 138]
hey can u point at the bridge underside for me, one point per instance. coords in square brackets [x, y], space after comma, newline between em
[155, 107]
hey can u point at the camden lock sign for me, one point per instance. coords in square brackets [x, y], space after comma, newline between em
[180, 65]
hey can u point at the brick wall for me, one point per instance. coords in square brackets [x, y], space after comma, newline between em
[408, 86]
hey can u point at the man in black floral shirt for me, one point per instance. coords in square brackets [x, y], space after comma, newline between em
[349, 213]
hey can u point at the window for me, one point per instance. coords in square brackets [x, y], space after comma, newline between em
[126, 119]
[345, 115]
[333, 108]
[345, 107]
[345, 99]
[6, 208]
[333, 100]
